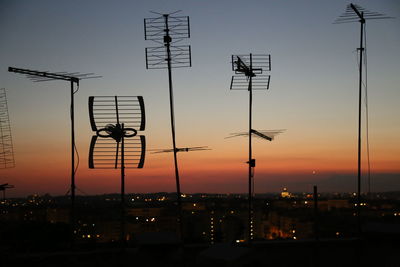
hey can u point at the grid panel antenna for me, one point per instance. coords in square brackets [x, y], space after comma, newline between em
[107, 114]
[166, 30]
[250, 68]
[116, 121]
[6, 144]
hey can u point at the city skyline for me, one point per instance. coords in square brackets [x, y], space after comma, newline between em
[313, 95]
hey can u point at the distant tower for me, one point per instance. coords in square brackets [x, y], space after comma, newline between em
[6, 144]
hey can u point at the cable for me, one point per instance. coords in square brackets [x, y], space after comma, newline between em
[75, 149]
[365, 84]
[77, 88]
[77, 159]
[366, 111]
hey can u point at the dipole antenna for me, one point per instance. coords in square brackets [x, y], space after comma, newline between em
[6, 144]
[181, 149]
[116, 121]
[250, 75]
[167, 30]
[355, 13]
[72, 78]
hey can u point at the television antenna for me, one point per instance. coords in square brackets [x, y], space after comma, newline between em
[356, 13]
[6, 144]
[166, 30]
[3, 188]
[250, 75]
[183, 149]
[116, 121]
[72, 78]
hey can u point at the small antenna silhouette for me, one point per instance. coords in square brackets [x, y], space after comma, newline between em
[116, 121]
[6, 144]
[262, 134]
[4, 187]
[184, 149]
[355, 13]
[73, 78]
[250, 75]
[167, 30]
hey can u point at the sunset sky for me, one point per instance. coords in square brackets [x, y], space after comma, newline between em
[313, 94]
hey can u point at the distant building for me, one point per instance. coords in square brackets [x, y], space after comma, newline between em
[285, 193]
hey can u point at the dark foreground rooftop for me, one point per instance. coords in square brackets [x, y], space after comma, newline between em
[370, 251]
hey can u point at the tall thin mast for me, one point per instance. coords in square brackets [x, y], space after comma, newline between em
[167, 41]
[169, 56]
[250, 219]
[355, 13]
[243, 66]
[41, 76]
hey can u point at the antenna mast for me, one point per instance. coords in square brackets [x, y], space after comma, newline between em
[73, 78]
[249, 70]
[355, 13]
[166, 30]
[116, 120]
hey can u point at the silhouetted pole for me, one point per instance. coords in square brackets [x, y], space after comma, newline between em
[123, 239]
[40, 76]
[316, 219]
[250, 222]
[72, 219]
[361, 50]
[167, 41]
[360, 15]
[316, 227]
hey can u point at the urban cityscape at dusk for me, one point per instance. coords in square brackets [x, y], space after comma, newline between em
[199, 133]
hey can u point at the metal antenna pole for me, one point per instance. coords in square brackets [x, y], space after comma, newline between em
[243, 66]
[355, 13]
[72, 219]
[41, 76]
[162, 30]
[114, 130]
[361, 49]
[167, 41]
[122, 190]
[316, 227]
[250, 222]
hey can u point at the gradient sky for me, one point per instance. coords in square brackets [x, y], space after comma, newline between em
[313, 94]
